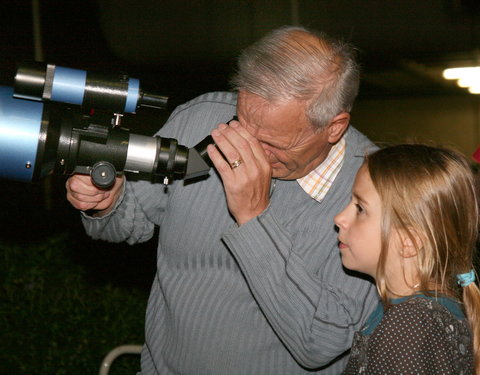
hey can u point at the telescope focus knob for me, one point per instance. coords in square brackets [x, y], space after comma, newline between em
[103, 174]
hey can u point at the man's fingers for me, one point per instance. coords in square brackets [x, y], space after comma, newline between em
[221, 165]
[84, 195]
[237, 145]
[254, 146]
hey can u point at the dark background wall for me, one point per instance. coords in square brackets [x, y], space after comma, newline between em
[183, 48]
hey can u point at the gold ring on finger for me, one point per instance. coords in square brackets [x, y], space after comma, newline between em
[234, 164]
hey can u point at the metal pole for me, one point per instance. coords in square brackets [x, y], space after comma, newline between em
[115, 353]
[37, 31]
[294, 12]
[39, 56]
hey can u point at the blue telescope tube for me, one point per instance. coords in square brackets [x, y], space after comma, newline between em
[20, 129]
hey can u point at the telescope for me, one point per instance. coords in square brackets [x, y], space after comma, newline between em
[65, 121]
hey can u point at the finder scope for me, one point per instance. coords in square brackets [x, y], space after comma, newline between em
[115, 92]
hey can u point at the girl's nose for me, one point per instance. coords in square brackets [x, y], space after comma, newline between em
[339, 219]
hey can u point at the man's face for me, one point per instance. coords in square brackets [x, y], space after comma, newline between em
[290, 142]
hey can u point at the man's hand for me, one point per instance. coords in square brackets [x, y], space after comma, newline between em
[245, 171]
[84, 195]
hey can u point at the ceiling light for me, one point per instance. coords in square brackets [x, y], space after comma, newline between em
[468, 81]
[467, 77]
[474, 89]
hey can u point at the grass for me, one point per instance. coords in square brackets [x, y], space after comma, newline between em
[53, 321]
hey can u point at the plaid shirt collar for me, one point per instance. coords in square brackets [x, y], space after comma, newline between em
[318, 182]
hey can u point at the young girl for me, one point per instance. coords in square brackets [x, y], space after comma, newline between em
[412, 225]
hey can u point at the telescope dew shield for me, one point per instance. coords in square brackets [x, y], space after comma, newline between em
[22, 138]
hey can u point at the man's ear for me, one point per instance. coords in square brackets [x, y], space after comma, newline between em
[338, 127]
[411, 243]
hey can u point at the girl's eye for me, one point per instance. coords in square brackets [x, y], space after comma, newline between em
[359, 208]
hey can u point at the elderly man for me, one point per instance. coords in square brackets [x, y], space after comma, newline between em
[249, 278]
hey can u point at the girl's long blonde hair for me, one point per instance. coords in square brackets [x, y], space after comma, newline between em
[429, 193]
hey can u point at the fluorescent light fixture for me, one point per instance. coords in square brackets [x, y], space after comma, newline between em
[468, 81]
[467, 77]
[456, 73]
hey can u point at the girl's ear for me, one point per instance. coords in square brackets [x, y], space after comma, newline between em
[411, 242]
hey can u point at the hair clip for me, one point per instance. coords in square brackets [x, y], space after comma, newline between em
[464, 279]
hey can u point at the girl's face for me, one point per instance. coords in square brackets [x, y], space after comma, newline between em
[359, 226]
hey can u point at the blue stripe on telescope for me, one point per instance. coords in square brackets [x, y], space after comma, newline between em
[69, 86]
[20, 122]
[133, 95]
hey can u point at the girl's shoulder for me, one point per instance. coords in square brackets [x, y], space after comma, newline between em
[416, 335]
[427, 322]
[428, 312]
[426, 307]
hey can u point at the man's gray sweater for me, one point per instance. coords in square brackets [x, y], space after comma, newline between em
[269, 297]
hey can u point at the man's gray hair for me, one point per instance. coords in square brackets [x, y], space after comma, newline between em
[294, 62]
